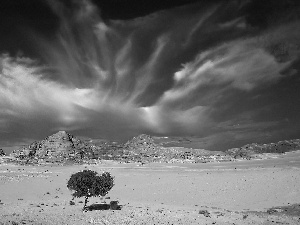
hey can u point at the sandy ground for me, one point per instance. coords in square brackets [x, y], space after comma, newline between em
[231, 193]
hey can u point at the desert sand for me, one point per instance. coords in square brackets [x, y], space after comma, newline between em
[241, 192]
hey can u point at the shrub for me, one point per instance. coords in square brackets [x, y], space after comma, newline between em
[88, 183]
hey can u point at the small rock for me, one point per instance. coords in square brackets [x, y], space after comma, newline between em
[114, 205]
[272, 211]
[204, 212]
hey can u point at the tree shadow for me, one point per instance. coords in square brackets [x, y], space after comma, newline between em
[103, 206]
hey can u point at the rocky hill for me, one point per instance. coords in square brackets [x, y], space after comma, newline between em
[63, 147]
[142, 144]
[57, 147]
[144, 148]
[249, 150]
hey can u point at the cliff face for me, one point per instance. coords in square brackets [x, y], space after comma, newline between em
[58, 145]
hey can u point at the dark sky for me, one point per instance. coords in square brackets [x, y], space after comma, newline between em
[224, 72]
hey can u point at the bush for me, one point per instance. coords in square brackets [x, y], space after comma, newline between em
[88, 183]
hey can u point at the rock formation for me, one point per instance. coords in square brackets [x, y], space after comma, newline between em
[247, 151]
[144, 148]
[61, 147]
[142, 144]
[58, 146]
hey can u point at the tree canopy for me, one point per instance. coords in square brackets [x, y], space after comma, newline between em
[88, 183]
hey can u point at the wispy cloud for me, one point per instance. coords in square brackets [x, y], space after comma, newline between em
[120, 78]
[25, 92]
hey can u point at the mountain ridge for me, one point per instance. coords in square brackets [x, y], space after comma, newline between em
[62, 146]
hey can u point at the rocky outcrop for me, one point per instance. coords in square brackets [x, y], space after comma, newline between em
[142, 144]
[2, 153]
[58, 146]
[62, 146]
[144, 148]
[249, 150]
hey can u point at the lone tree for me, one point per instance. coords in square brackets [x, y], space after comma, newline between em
[88, 183]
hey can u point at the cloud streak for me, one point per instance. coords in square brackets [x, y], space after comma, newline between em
[116, 79]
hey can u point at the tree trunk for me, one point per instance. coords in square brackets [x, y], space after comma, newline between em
[85, 202]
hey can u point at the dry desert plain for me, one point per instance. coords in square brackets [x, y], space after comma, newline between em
[242, 192]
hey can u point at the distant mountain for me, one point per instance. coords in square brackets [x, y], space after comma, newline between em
[248, 150]
[186, 142]
[59, 146]
[147, 148]
[63, 147]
